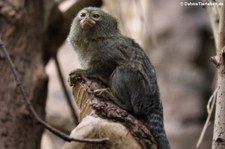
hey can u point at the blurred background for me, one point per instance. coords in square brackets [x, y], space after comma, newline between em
[179, 42]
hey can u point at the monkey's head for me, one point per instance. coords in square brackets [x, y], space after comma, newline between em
[92, 23]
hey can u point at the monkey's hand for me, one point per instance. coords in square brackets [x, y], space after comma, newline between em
[76, 75]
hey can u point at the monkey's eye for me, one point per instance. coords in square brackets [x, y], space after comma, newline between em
[96, 16]
[82, 14]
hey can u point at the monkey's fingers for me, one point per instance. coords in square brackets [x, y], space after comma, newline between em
[105, 93]
[73, 77]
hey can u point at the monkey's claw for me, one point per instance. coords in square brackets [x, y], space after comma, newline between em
[105, 93]
[99, 92]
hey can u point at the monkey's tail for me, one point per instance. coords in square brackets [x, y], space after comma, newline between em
[155, 121]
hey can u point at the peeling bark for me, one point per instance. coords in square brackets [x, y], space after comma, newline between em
[21, 30]
[106, 109]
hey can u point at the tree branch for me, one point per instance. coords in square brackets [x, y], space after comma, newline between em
[210, 107]
[32, 111]
[106, 109]
[217, 20]
[74, 111]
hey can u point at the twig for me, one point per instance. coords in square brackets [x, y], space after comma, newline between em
[210, 107]
[32, 111]
[68, 99]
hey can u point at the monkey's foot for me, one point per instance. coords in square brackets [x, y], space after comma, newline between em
[105, 93]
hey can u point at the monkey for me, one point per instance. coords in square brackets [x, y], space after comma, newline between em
[121, 64]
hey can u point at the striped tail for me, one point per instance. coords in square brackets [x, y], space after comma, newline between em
[155, 121]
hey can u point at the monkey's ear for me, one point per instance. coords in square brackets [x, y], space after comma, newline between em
[114, 20]
[117, 22]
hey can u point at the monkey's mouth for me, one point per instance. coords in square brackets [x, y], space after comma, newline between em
[87, 23]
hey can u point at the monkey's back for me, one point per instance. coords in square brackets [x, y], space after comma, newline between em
[111, 52]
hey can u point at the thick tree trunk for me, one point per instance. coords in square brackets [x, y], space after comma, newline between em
[32, 30]
[21, 27]
[219, 126]
[217, 19]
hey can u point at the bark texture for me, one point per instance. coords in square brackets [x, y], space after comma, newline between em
[217, 19]
[103, 108]
[32, 31]
[21, 28]
[219, 126]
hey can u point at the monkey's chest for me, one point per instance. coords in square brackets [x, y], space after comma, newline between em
[84, 61]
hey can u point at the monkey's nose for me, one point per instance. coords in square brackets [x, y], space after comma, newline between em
[87, 23]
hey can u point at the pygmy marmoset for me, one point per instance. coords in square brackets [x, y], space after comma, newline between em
[121, 64]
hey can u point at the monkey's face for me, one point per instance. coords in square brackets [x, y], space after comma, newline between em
[95, 20]
[88, 18]
[92, 23]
